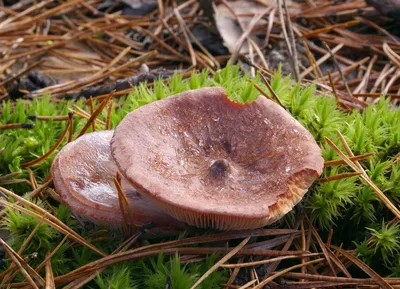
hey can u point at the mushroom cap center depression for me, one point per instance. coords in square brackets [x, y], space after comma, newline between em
[219, 168]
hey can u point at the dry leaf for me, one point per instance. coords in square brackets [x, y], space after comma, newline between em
[228, 26]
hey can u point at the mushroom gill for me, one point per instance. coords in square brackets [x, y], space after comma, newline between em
[214, 163]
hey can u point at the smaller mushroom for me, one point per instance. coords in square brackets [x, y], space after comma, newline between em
[82, 173]
[214, 163]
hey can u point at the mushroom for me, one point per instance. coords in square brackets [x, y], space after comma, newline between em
[82, 173]
[215, 163]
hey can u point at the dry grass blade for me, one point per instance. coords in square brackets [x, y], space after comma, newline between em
[109, 112]
[18, 181]
[283, 26]
[329, 256]
[314, 64]
[124, 205]
[270, 24]
[113, 62]
[95, 114]
[71, 126]
[34, 193]
[78, 283]
[7, 277]
[366, 178]
[32, 179]
[185, 34]
[49, 275]
[91, 112]
[259, 53]
[25, 269]
[283, 272]
[49, 218]
[262, 262]
[391, 82]
[293, 53]
[9, 178]
[10, 175]
[377, 278]
[333, 87]
[303, 245]
[285, 248]
[329, 28]
[349, 68]
[220, 262]
[223, 237]
[324, 284]
[361, 281]
[271, 90]
[60, 228]
[364, 82]
[250, 42]
[339, 177]
[46, 155]
[391, 54]
[48, 256]
[125, 245]
[23, 13]
[22, 270]
[82, 113]
[341, 162]
[234, 273]
[57, 90]
[248, 284]
[40, 188]
[166, 46]
[245, 34]
[394, 160]
[322, 246]
[386, 71]
[339, 69]
[259, 89]
[17, 125]
[27, 240]
[328, 281]
[41, 16]
[148, 251]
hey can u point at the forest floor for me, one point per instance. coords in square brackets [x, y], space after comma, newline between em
[59, 53]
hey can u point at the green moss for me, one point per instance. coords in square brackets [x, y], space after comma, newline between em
[386, 240]
[349, 205]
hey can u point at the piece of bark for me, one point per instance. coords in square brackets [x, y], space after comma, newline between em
[121, 84]
[34, 80]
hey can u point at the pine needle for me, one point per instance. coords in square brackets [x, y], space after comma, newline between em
[357, 167]
[220, 262]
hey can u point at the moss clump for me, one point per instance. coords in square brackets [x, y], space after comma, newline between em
[348, 206]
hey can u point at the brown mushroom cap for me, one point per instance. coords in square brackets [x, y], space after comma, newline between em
[82, 173]
[215, 163]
